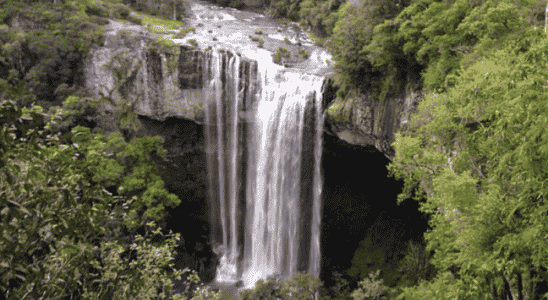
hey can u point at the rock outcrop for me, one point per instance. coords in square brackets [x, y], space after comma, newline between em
[365, 121]
[160, 77]
[158, 81]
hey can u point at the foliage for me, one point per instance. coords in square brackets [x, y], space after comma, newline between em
[257, 39]
[183, 32]
[301, 286]
[271, 289]
[79, 218]
[280, 54]
[320, 16]
[415, 266]
[476, 155]
[40, 61]
[341, 289]
[193, 43]
[370, 288]
[368, 258]
[284, 9]
[380, 250]
[304, 54]
[439, 36]
[352, 32]
[174, 9]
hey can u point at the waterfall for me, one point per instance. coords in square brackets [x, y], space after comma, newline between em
[263, 144]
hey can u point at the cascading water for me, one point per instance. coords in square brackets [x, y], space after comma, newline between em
[263, 134]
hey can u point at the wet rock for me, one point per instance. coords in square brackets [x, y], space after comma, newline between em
[365, 121]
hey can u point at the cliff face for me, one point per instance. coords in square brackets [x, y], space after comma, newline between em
[134, 69]
[159, 80]
[365, 121]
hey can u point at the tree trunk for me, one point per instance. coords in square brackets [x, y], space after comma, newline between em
[520, 287]
[507, 289]
[493, 288]
[174, 10]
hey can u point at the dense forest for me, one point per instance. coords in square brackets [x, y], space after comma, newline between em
[82, 212]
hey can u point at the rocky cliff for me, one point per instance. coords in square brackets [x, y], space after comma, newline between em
[365, 121]
[161, 77]
[134, 69]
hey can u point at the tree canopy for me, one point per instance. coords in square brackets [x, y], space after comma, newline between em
[475, 156]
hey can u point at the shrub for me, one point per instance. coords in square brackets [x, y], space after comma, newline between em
[183, 32]
[79, 219]
[122, 11]
[193, 43]
[257, 39]
[301, 286]
[97, 10]
[370, 288]
[280, 54]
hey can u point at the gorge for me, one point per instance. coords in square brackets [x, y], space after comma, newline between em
[247, 134]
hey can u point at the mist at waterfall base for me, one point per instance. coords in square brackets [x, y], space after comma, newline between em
[263, 151]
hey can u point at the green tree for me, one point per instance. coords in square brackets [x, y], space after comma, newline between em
[284, 9]
[476, 155]
[370, 288]
[320, 16]
[271, 289]
[80, 218]
[303, 286]
[415, 266]
[353, 31]
[442, 35]
[175, 9]
[46, 52]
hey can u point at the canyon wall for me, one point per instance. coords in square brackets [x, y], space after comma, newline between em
[365, 121]
[160, 80]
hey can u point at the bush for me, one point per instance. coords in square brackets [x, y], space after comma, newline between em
[284, 9]
[257, 39]
[320, 16]
[193, 43]
[98, 10]
[300, 286]
[371, 288]
[79, 219]
[165, 9]
[280, 54]
[122, 11]
[183, 32]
